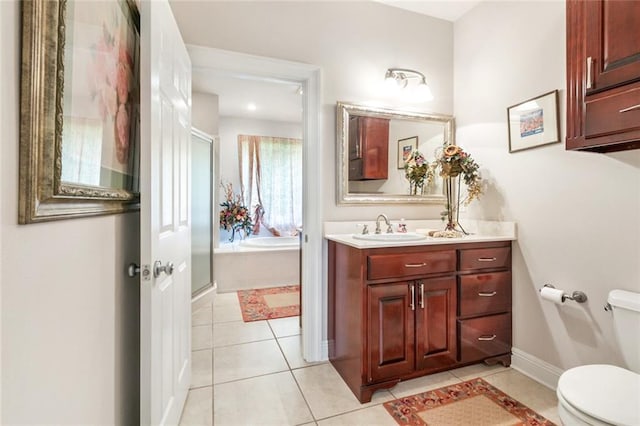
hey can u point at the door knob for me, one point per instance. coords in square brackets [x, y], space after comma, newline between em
[159, 268]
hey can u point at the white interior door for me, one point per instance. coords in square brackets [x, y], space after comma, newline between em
[165, 317]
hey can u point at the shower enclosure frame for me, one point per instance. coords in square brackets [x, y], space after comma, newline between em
[212, 196]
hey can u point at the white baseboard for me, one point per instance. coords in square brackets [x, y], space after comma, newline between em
[539, 370]
[324, 348]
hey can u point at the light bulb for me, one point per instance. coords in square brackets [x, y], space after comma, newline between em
[390, 82]
[423, 92]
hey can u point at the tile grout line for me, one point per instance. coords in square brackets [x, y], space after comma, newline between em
[313, 416]
[275, 337]
[293, 376]
[242, 343]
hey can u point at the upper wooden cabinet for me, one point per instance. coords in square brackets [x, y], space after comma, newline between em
[368, 148]
[603, 75]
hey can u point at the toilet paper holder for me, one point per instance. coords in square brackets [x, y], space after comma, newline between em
[576, 296]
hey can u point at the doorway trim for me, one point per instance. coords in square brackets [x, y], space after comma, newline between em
[308, 76]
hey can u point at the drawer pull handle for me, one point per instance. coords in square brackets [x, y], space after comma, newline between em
[415, 265]
[486, 294]
[487, 259]
[631, 108]
[413, 297]
[487, 338]
[589, 72]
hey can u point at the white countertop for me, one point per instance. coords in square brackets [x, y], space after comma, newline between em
[479, 231]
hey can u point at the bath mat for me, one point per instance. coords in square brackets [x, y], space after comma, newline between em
[474, 402]
[269, 303]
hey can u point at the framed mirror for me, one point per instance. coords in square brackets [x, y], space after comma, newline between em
[79, 110]
[373, 145]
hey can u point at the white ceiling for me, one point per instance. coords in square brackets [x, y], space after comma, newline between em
[280, 101]
[449, 10]
[274, 100]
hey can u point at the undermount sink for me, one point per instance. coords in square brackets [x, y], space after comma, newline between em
[408, 236]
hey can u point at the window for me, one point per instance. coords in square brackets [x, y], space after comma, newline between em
[271, 177]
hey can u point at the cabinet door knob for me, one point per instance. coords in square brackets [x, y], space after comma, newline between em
[487, 294]
[487, 338]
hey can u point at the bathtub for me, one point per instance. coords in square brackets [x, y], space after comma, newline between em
[257, 263]
[272, 242]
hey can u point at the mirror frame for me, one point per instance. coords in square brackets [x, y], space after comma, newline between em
[343, 111]
[42, 194]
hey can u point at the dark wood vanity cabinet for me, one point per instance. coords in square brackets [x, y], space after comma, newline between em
[368, 148]
[603, 75]
[403, 312]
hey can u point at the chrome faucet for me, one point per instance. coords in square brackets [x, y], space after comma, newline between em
[386, 220]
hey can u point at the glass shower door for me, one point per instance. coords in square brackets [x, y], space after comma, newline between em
[201, 211]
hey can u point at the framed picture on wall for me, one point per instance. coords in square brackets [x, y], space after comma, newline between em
[79, 143]
[534, 122]
[405, 148]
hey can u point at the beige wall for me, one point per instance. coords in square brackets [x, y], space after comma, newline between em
[69, 316]
[577, 213]
[204, 112]
[353, 42]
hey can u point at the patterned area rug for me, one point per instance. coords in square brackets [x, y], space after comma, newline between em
[474, 402]
[269, 303]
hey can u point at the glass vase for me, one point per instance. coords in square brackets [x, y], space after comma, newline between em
[416, 188]
[452, 195]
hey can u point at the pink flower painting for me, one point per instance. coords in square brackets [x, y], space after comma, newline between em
[111, 80]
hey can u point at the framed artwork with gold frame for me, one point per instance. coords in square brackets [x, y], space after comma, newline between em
[79, 109]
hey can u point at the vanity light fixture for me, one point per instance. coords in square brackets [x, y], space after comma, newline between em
[399, 77]
[252, 107]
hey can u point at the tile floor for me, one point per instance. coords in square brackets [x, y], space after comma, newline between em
[254, 374]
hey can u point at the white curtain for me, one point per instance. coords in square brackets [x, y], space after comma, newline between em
[271, 177]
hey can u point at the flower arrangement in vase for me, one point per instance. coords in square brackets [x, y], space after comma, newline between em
[455, 165]
[417, 172]
[234, 215]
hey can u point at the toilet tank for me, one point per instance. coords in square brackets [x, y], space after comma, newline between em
[626, 322]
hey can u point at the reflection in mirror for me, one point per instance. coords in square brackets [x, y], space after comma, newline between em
[373, 144]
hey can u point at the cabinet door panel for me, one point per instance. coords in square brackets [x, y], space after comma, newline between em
[613, 42]
[369, 143]
[390, 331]
[436, 323]
[375, 137]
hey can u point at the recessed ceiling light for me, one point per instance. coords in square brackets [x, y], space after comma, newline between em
[252, 107]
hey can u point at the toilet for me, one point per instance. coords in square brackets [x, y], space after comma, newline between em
[605, 394]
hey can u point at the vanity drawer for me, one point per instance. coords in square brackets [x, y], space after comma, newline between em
[401, 265]
[482, 294]
[484, 337]
[485, 258]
